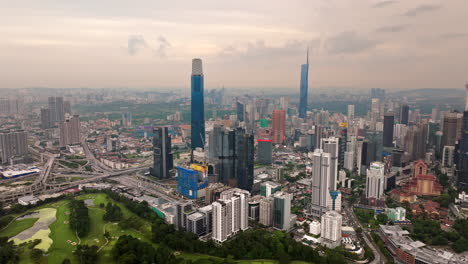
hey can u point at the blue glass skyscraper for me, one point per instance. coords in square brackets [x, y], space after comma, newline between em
[198, 106]
[304, 88]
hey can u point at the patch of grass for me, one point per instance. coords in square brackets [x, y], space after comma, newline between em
[61, 232]
[17, 227]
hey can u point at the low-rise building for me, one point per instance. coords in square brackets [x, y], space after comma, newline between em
[396, 214]
[27, 200]
[406, 250]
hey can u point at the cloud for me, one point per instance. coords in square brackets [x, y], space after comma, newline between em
[383, 4]
[260, 50]
[163, 45]
[349, 42]
[421, 9]
[454, 36]
[391, 29]
[135, 44]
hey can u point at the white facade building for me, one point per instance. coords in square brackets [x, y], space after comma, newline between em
[230, 214]
[322, 181]
[266, 211]
[448, 154]
[375, 180]
[331, 229]
[350, 112]
[314, 228]
[282, 210]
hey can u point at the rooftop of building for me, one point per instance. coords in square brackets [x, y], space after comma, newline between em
[401, 239]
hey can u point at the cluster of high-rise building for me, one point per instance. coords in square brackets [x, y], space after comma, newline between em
[55, 113]
[13, 144]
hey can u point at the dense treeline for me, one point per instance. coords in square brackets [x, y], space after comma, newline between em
[79, 217]
[86, 254]
[251, 244]
[429, 232]
[130, 250]
[8, 251]
[113, 213]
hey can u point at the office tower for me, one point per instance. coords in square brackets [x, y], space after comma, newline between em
[311, 140]
[435, 114]
[330, 224]
[404, 112]
[198, 107]
[374, 146]
[279, 126]
[389, 120]
[304, 88]
[322, 181]
[462, 166]
[334, 201]
[245, 159]
[52, 109]
[269, 188]
[448, 154]
[360, 160]
[236, 159]
[240, 112]
[416, 141]
[214, 139]
[284, 103]
[12, 144]
[318, 136]
[67, 107]
[449, 129]
[264, 151]
[349, 160]
[350, 112]
[250, 115]
[69, 131]
[59, 110]
[162, 153]
[331, 145]
[378, 93]
[282, 210]
[127, 119]
[45, 118]
[343, 141]
[375, 181]
[266, 211]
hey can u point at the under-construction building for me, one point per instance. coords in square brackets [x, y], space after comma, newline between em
[190, 181]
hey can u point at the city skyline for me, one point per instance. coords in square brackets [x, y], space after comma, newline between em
[150, 45]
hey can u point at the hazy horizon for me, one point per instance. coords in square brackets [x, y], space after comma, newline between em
[243, 44]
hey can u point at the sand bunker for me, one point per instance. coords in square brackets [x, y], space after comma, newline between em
[40, 229]
[89, 202]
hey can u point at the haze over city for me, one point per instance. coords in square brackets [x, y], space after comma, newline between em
[234, 132]
[244, 44]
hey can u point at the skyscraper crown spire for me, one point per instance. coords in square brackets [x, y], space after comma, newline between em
[307, 56]
[197, 68]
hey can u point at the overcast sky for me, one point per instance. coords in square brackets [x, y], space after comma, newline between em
[243, 43]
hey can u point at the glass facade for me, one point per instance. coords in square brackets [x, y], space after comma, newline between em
[197, 109]
[304, 90]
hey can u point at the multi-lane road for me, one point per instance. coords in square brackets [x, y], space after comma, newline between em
[379, 258]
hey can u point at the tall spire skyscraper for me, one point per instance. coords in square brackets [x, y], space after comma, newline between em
[198, 106]
[304, 88]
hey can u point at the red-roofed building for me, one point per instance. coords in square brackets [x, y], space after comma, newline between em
[423, 185]
[401, 196]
